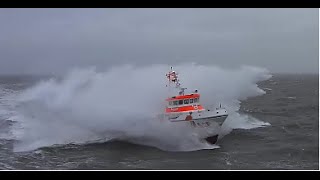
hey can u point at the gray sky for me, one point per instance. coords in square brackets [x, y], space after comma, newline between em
[54, 40]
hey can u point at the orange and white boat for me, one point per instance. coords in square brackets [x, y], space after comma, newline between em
[186, 108]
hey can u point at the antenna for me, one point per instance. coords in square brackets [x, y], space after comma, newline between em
[182, 91]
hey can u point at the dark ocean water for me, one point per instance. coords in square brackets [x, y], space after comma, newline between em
[290, 105]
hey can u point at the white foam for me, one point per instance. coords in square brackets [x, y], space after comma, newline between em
[268, 89]
[121, 104]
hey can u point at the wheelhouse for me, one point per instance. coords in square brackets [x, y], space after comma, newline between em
[183, 100]
[184, 103]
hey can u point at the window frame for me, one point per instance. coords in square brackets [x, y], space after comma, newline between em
[196, 100]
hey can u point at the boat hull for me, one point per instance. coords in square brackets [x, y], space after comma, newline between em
[208, 129]
[206, 124]
[218, 115]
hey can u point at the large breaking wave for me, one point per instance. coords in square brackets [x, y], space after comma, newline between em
[122, 102]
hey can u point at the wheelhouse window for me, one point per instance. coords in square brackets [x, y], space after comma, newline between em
[170, 103]
[196, 100]
[180, 102]
[191, 101]
[186, 101]
[175, 103]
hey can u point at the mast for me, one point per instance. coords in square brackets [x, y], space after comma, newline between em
[173, 79]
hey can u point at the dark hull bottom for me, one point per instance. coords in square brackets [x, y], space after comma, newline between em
[212, 139]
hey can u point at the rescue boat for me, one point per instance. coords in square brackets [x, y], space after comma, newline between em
[186, 108]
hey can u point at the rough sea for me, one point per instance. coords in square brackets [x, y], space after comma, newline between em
[68, 123]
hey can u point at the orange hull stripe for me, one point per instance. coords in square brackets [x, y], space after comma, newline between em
[184, 108]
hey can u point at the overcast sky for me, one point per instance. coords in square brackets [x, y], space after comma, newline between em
[55, 40]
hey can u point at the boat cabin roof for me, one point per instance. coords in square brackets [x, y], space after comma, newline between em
[187, 96]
